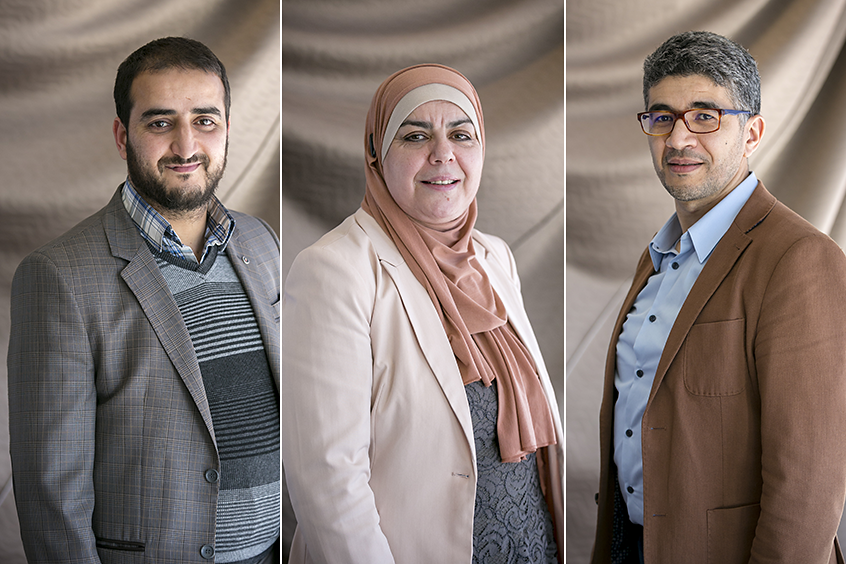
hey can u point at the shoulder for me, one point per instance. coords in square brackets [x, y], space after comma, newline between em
[83, 243]
[346, 252]
[785, 250]
[784, 229]
[765, 217]
[254, 231]
[356, 240]
[494, 250]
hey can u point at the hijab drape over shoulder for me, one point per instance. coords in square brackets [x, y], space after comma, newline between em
[485, 345]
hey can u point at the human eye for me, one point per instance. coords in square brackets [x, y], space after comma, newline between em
[205, 122]
[660, 117]
[704, 116]
[414, 137]
[462, 136]
[158, 125]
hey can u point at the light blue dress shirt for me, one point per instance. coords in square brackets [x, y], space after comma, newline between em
[648, 325]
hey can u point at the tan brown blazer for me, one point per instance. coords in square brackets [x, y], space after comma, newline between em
[111, 433]
[744, 434]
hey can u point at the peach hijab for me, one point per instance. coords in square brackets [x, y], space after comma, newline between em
[485, 345]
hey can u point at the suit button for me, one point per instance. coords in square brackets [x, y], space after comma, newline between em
[212, 476]
[640, 373]
[630, 489]
[207, 551]
[629, 432]
[652, 318]
[675, 266]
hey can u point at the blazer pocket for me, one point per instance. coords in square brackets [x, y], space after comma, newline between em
[128, 546]
[714, 358]
[731, 532]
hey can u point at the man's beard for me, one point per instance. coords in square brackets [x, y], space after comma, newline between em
[177, 201]
[717, 178]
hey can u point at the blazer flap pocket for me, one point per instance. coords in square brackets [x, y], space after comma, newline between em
[130, 546]
[731, 532]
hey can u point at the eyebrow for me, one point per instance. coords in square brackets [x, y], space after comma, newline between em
[153, 112]
[699, 105]
[428, 124]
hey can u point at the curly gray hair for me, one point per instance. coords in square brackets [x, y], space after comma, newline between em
[704, 53]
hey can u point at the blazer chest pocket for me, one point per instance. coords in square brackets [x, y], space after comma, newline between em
[714, 358]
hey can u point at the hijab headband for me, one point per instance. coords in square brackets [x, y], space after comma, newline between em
[418, 97]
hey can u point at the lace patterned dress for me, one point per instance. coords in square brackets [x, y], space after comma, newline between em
[511, 522]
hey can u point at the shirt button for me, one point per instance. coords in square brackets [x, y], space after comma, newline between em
[212, 475]
[629, 432]
[639, 373]
[207, 551]
[675, 266]
[630, 489]
[246, 260]
[652, 318]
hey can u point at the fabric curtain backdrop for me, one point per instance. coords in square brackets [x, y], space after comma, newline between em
[334, 56]
[615, 203]
[57, 155]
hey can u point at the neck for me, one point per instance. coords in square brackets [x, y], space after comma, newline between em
[190, 227]
[687, 217]
[689, 212]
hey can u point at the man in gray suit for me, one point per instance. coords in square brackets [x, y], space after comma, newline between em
[144, 352]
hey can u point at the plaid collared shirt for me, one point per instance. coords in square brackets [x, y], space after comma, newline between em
[159, 233]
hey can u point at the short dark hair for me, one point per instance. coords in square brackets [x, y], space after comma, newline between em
[722, 60]
[163, 54]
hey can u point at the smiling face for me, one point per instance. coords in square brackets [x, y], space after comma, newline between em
[175, 144]
[698, 170]
[434, 164]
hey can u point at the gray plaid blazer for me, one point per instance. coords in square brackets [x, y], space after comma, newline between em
[111, 433]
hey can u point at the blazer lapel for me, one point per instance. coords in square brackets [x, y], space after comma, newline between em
[425, 322]
[722, 260]
[512, 300]
[265, 303]
[145, 281]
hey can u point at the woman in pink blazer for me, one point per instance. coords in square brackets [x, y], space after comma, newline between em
[419, 423]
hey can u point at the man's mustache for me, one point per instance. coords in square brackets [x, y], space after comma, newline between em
[178, 161]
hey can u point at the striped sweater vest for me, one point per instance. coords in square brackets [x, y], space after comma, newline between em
[242, 397]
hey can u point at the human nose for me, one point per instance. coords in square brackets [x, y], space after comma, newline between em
[441, 151]
[184, 143]
[680, 136]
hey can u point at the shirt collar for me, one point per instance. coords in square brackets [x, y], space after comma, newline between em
[158, 231]
[707, 232]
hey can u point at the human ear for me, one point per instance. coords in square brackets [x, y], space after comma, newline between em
[754, 129]
[119, 131]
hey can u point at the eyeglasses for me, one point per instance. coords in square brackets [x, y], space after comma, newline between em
[697, 120]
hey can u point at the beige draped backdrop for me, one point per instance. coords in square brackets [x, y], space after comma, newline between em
[58, 161]
[614, 200]
[334, 56]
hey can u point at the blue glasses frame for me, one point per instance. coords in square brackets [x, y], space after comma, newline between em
[682, 116]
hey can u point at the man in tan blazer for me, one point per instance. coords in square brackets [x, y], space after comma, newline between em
[723, 419]
[144, 352]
